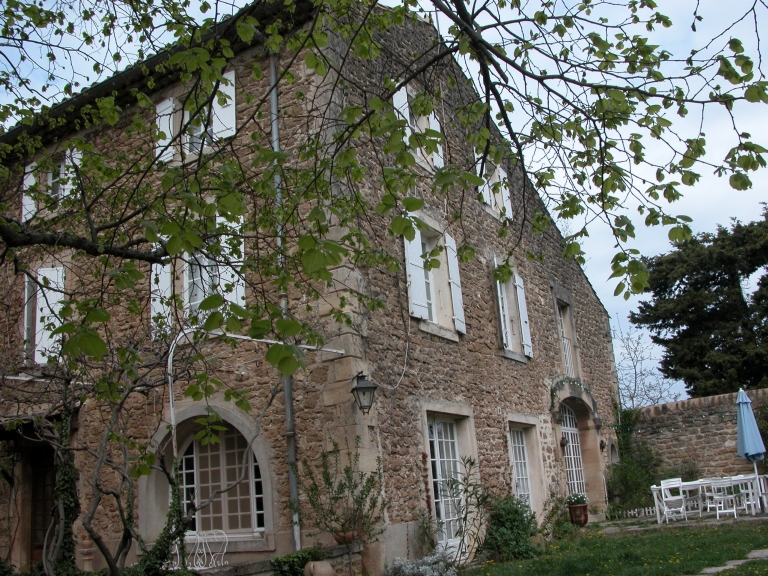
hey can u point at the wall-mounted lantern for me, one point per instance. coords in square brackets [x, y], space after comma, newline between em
[602, 445]
[563, 442]
[364, 392]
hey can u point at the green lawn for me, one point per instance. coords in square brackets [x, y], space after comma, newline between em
[663, 552]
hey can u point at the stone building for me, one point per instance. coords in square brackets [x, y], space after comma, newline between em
[517, 375]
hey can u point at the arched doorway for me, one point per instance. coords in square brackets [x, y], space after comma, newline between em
[574, 465]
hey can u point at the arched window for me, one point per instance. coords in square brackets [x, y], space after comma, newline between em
[208, 467]
[574, 467]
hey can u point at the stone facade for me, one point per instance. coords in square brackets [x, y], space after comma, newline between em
[429, 374]
[700, 430]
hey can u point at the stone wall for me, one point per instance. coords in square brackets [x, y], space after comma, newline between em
[701, 430]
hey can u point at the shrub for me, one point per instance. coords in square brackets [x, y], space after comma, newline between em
[510, 527]
[557, 522]
[629, 482]
[688, 470]
[293, 564]
[438, 565]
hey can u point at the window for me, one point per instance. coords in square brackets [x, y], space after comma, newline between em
[212, 122]
[207, 468]
[60, 181]
[574, 467]
[513, 315]
[445, 466]
[415, 123]
[434, 293]
[203, 274]
[496, 190]
[41, 313]
[520, 474]
[565, 328]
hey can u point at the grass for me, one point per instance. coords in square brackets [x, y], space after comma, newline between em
[664, 552]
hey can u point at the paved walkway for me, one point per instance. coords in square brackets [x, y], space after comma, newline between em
[754, 555]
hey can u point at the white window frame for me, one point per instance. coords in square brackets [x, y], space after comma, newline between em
[218, 121]
[521, 476]
[445, 463]
[204, 276]
[574, 463]
[190, 490]
[41, 316]
[414, 123]
[566, 333]
[513, 315]
[496, 190]
[443, 305]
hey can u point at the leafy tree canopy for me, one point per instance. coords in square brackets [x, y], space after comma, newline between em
[715, 336]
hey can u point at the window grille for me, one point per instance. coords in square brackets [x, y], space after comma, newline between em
[444, 453]
[520, 465]
[206, 468]
[574, 466]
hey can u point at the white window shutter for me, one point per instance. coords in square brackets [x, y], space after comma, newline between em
[437, 157]
[47, 319]
[485, 173]
[523, 309]
[503, 305]
[225, 115]
[228, 276]
[28, 204]
[506, 192]
[417, 289]
[72, 159]
[164, 120]
[161, 289]
[400, 102]
[453, 273]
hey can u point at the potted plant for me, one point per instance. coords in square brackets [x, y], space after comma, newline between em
[577, 508]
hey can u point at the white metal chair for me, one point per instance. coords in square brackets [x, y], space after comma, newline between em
[746, 493]
[708, 494]
[725, 499]
[673, 504]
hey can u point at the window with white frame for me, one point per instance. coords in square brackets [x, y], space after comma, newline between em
[445, 466]
[207, 468]
[513, 314]
[434, 292]
[521, 476]
[419, 124]
[574, 465]
[53, 184]
[43, 295]
[204, 124]
[567, 340]
[496, 190]
[203, 274]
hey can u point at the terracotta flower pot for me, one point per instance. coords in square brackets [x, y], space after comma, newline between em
[345, 537]
[578, 514]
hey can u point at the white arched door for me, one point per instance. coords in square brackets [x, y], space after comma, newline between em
[574, 466]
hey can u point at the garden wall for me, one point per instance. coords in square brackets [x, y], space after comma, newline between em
[702, 430]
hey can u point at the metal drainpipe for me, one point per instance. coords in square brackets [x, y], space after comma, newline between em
[290, 425]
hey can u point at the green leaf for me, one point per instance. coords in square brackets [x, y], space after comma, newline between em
[212, 302]
[413, 204]
[214, 321]
[288, 327]
[288, 365]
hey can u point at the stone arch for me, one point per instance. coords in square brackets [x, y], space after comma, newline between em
[579, 399]
[154, 489]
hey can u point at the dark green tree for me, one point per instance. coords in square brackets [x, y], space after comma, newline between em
[715, 336]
